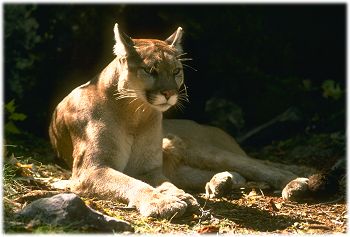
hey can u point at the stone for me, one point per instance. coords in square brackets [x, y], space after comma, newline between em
[69, 209]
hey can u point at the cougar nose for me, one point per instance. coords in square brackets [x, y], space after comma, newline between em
[168, 93]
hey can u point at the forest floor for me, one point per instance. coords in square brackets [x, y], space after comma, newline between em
[28, 176]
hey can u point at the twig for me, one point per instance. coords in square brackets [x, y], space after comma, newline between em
[262, 192]
[126, 208]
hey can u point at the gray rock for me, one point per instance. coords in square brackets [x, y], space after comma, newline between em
[69, 209]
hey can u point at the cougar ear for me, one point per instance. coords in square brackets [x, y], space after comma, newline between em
[123, 43]
[175, 39]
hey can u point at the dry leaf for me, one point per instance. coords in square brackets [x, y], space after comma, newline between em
[208, 229]
[273, 206]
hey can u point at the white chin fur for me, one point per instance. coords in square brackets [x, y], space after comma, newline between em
[163, 107]
[172, 100]
[162, 104]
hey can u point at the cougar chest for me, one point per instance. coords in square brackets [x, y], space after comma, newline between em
[145, 149]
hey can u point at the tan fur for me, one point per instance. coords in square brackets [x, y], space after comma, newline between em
[109, 131]
[211, 149]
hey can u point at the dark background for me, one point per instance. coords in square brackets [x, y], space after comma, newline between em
[253, 61]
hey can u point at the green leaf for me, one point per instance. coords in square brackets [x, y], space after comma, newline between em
[307, 84]
[10, 128]
[17, 117]
[331, 90]
[10, 106]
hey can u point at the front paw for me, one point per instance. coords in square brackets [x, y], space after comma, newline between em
[162, 206]
[171, 190]
[296, 189]
[222, 183]
[193, 206]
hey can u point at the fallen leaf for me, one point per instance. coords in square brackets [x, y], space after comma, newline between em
[208, 229]
[25, 166]
[274, 206]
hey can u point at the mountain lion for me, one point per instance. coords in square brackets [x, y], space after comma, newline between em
[110, 132]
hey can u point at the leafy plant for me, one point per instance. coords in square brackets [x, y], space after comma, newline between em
[21, 38]
[331, 89]
[12, 117]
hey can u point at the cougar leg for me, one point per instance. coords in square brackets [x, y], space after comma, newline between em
[300, 170]
[252, 169]
[190, 178]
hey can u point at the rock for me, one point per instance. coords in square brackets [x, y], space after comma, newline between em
[69, 209]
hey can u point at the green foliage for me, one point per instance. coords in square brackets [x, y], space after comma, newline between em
[331, 89]
[21, 36]
[12, 117]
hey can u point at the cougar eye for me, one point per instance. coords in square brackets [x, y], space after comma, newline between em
[147, 70]
[176, 71]
[150, 71]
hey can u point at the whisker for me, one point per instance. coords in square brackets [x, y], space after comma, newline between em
[125, 96]
[190, 67]
[180, 107]
[185, 59]
[183, 96]
[140, 108]
[184, 88]
[185, 99]
[126, 93]
[127, 90]
[183, 91]
[181, 55]
[133, 100]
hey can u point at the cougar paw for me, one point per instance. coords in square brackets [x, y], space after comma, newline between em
[222, 183]
[162, 206]
[193, 206]
[171, 190]
[296, 189]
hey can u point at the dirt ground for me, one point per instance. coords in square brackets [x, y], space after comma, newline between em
[245, 211]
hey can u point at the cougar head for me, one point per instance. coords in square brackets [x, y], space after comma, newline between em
[150, 69]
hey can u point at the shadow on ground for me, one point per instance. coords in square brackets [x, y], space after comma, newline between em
[248, 217]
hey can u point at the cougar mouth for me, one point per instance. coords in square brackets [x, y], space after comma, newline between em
[163, 107]
[160, 102]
